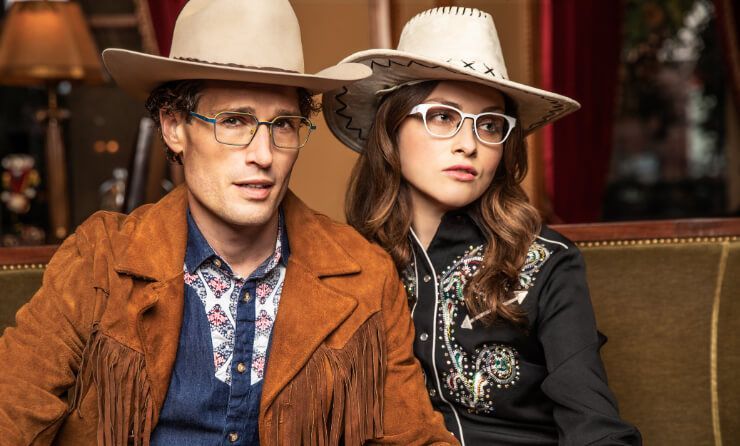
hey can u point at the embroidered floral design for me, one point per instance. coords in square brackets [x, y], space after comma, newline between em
[258, 365]
[408, 276]
[472, 376]
[263, 323]
[222, 354]
[216, 280]
[536, 257]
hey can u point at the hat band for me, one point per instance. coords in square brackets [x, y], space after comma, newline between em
[235, 65]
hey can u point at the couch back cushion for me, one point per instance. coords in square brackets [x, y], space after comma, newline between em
[17, 285]
[670, 310]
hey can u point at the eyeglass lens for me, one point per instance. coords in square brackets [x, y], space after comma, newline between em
[239, 129]
[444, 122]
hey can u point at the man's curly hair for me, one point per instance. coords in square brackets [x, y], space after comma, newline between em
[182, 97]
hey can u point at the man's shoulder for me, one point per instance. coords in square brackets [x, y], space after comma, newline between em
[361, 250]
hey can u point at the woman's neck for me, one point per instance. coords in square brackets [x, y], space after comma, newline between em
[426, 217]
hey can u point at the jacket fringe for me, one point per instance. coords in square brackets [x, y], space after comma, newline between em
[337, 398]
[125, 408]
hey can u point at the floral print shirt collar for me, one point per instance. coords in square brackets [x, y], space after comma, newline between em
[211, 278]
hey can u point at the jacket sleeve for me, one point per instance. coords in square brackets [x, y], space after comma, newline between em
[41, 354]
[585, 410]
[408, 416]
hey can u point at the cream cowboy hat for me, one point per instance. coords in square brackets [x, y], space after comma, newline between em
[450, 43]
[235, 40]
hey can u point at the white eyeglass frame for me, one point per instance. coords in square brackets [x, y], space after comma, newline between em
[423, 108]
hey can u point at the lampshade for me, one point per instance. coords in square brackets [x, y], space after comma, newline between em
[47, 41]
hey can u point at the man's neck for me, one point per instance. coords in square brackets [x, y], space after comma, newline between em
[244, 248]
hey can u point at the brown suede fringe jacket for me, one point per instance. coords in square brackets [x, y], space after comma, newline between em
[90, 359]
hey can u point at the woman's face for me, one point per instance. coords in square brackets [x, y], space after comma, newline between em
[449, 173]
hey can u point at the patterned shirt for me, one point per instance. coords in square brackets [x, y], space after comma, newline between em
[219, 289]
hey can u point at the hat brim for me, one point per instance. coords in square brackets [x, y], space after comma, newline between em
[349, 111]
[139, 73]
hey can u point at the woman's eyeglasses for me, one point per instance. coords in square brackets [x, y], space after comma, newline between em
[444, 121]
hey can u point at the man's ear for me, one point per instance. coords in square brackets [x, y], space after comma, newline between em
[173, 130]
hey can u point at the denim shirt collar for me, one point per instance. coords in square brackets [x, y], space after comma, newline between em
[198, 250]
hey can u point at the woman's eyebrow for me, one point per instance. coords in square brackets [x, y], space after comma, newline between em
[493, 108]
[445, 102]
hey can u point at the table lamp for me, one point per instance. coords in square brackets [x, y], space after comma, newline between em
[44, 43]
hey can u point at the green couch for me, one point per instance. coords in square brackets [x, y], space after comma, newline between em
[666, 294]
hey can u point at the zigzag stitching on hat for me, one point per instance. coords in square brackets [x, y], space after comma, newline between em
[373, 63]
[459, 10]
[555, 107]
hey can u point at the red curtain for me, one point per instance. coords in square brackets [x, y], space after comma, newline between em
[728, 22]
[581, 41]
[164, 13]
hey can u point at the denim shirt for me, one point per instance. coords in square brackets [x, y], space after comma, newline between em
[216, 384]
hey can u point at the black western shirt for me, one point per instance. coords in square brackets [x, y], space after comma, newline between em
[500, 384]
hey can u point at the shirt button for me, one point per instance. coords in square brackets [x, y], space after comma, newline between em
[233, 437]
[217, 262]
[241, 368]
[247, 297]
[427, 278]
[423, 336]
[432, 393]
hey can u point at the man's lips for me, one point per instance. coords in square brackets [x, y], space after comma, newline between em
[257, 189]
[461, 172]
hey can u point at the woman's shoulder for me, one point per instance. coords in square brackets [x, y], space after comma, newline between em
[548, 247]
[554, 240]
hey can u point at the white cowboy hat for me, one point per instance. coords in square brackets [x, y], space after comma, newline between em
[255, 41]
[450, 43]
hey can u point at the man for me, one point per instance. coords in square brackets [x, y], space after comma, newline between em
[229, 312]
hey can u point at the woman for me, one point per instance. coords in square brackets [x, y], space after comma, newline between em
[505, 330]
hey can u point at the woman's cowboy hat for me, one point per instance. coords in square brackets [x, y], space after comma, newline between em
[451, 43]
[248, 41]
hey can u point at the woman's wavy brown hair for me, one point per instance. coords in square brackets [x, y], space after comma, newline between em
[378, 205]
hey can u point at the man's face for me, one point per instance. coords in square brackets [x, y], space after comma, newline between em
[237, 186]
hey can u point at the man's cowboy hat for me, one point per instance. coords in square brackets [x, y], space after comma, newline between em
[450, 43]
[248, 41]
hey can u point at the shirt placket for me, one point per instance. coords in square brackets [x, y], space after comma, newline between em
[241, 404]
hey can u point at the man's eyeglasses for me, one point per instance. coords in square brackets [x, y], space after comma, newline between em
[444, 121]
[238, 129]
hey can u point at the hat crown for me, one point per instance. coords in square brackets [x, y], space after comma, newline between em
[466, 37]
[254, 33]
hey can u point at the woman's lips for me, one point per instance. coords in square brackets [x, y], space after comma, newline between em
[461, 173]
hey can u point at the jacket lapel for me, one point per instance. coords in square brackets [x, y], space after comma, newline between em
[309, 309]
[152, 249]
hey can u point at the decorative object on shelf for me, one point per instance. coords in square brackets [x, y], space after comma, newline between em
[113, 191]
[44, 43]
[20, 180]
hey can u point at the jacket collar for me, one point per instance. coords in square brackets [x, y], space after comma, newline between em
[164, 226]
[151, 246]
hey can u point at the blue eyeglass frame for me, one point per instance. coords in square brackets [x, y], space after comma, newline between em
[212, 120]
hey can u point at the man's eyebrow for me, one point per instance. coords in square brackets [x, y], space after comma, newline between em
[287, 112]
[251, 110]
[245, 109]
